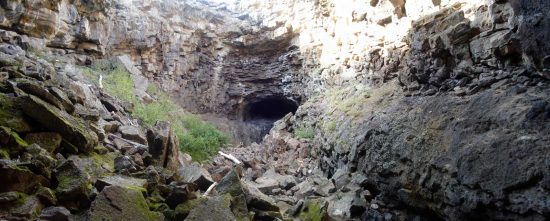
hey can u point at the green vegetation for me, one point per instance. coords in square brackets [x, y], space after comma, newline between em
[197, 137]
[304, 132]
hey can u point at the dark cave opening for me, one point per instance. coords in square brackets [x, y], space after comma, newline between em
[260, 115]
[270, 109]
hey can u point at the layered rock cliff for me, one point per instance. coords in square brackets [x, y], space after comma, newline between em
[408, 110]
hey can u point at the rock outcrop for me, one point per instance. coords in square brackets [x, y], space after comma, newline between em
[408, 110]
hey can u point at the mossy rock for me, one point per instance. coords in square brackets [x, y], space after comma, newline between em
[314, 210]
[119, 203]
[20, 179]
[183, 210]
[217, 208]
[11, 141]
[48, 141]
[73, 184]
[72, 129]
[11, 115]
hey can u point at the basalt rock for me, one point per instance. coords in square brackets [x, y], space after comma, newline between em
[119, 203]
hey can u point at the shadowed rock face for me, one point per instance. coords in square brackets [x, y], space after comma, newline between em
[269, 109]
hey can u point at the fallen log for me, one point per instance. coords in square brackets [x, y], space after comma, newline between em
[230, 157]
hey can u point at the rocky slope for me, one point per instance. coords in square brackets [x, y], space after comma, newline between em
[409, 110]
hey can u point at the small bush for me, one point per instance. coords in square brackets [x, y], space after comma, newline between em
[198, 138]
[304, 132]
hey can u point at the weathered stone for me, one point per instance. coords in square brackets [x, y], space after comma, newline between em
[195, 174]
[163, 146]
[41, 161]
[217, 208]
[46, 196]
[15, 178]
[122, 181]
[55, 214]
[40, 92]
[7, 197]
[63, 98]
[72, 129]
[29, 209]
[11, 115]
[182, 210]
[119, 203]
[73, 184]
[48, 141]
[133, 133]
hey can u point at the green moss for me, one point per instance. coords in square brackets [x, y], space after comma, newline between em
[14, 141]
[313, 211]
[304, 132]
[183, 209]
[4, 154]
[11, 115]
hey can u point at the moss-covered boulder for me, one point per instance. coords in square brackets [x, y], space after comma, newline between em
[40, 160]
[314, 210]
[11, 115]
[49, 141]
[217, 208]
[10, 142]
[72, 129]
[18, 178]
[183, 210]
[74, 185]
[119, 203]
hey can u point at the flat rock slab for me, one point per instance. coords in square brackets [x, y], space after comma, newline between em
[133, 133]
[122, 181]
[46, 140]
[217, 208]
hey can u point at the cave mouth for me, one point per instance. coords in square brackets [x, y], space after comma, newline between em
[269, 109]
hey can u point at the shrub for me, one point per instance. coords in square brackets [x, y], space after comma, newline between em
[198, 138]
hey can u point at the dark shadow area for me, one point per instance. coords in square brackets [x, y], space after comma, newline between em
[271, 109]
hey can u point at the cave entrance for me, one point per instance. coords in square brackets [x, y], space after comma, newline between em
[263, 113]
[270, 109]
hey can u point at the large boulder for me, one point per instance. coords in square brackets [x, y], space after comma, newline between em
[72, 129]
[195, 174]
[48, 141]
[217, 208]
[133, 133]
[119, 203]
[163, 146]
[20, 179]
[74, 185]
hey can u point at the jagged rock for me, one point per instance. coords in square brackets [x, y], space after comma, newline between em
[29, 209]
[133, 133]
[55, 214]
[195, 174]
[74, 185]
[346, 205]
[119, 203]
[11, 142]
[7, 197]
[40, 92]
[11, 115]
[46, 196]
[16, 178]
[63, 98]
[48, 141]
[179, 194]
[41, 161]
[315, 185]
[182, 210]
[271, 180]
[163, 146]
[123, 163]
[233, 185]
[217, 208]
[123, 181]
[72, 129]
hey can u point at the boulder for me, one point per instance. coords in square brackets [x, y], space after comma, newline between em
[20, 179]
[11, 115]
[28, 209]
[39, 91]
[133, 133]
[74, 184]
[41, 161]
[49, 141]
[195, 174]
[217, 208]
[72, 129]
[163, 146]
[57, 213]
[271, 180]
[8, 197]
[119, 203]
[123, 181]
[11, 142]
